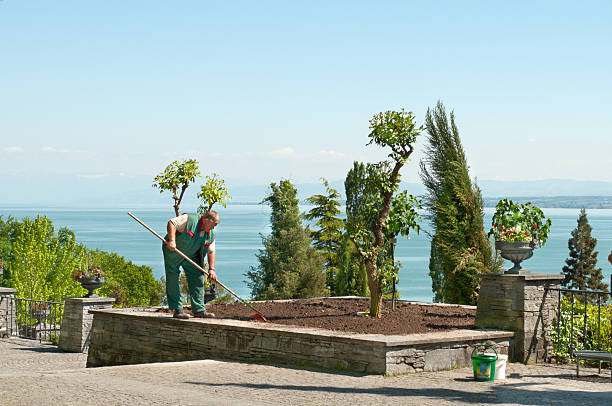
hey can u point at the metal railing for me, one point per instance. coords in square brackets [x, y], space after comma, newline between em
[590, 298]
[35, 319]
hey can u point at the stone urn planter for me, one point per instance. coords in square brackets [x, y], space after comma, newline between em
[516, 252]
[91, 284]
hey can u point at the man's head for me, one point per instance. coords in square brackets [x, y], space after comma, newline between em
[210, 220]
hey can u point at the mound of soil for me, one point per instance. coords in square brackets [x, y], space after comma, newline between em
[343, 315]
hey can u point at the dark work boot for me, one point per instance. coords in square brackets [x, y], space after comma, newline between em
[180, 314]
[204, 315]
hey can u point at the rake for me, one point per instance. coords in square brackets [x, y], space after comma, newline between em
[257, 316]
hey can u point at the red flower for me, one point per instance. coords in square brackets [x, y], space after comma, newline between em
[535, 226]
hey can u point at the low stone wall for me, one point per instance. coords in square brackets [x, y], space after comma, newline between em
[7, 310]
[134, 336]
[522, 304]
[76, 325]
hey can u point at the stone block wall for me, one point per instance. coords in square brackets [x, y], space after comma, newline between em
[133, 336]
[520, 303]
[77, 321]
[7, 310]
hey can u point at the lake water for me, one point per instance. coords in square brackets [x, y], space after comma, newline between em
[239, 240]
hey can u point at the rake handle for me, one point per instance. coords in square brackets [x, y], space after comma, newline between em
[193, 263]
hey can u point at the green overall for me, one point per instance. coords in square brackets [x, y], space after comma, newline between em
[195, 247]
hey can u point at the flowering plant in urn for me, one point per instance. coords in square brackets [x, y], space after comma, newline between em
[90, 278]
[519, 222]
[93, 271]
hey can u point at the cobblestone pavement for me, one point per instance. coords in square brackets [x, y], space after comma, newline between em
[33, 374]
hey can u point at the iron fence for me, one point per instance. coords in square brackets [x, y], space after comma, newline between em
[35, 319]
[581, 315]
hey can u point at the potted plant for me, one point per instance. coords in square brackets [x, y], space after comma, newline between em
[518, 229]
[90, 278]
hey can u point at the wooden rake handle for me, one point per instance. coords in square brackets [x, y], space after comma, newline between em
[194, 264]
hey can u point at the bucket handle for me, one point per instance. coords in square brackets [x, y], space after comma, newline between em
[486, 345]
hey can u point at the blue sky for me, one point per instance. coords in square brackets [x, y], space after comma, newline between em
[263, 90]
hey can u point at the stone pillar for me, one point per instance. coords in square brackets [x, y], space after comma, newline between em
[8, 316]
[520, 303]
[76, 324]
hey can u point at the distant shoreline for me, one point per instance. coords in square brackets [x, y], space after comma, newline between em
[544, 202]
[559, 202]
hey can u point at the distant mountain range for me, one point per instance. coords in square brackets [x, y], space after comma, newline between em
[123, 191]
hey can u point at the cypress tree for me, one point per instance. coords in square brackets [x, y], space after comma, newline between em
[580, 271]
[460, 248]
[289, 266]
[328, 238]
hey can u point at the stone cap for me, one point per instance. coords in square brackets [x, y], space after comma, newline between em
[370, 340]
[7, 291]
[526, 276]
[90, 300]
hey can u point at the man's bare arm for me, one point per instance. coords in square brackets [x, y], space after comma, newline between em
[171, 244]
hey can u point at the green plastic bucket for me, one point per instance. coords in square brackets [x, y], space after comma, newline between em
[484, 365]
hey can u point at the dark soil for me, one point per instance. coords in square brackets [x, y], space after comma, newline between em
[341, 315]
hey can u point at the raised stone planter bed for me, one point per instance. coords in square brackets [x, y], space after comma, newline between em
[133, 336]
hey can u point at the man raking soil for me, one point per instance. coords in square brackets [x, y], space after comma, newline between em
[189, 240]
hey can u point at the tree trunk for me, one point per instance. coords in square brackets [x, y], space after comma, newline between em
[375, 290]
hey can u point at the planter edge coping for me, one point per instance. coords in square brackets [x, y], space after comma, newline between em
[374, 340]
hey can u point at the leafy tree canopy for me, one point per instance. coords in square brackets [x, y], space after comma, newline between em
[177, 174]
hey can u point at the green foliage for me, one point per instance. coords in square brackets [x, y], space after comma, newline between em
[7, 232]
[213, 191]
[580, 271]
[222, 295]
[460, 249]
[289, 266]
[519, 222]
[351, 278]
[131, 285]
[395, 130]
[54, 339]
[370, 189]
[177, 174]
[40, 265]
[590, 341]
[42, 261]
[328, 237]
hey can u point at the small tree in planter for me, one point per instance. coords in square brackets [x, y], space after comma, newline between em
[396, 131]
[213, 191]
[177, 174]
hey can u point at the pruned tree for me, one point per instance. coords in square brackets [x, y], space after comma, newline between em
[460, 248]
[328, 237]
[373, 194]
[580, 270]
[362, 207]
[213, 191]
[177, 175]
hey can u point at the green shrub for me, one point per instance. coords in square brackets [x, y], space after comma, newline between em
[562, 342]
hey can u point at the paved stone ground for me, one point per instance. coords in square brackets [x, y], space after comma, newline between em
[40, 374]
